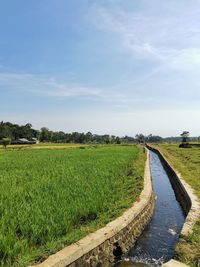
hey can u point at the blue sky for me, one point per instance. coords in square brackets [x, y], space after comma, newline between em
[109, 66]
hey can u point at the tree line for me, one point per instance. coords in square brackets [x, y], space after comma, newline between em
[14, 132]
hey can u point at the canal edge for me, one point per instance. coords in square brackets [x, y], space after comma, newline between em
[184, 192]
[117, 237]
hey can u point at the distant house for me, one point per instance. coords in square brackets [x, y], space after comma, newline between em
[25, 141]
[22, 141]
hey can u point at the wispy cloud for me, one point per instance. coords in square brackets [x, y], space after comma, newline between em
[50, 87]
[44, 85]
[169, 39]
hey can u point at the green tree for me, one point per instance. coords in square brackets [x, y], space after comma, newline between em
[106, 138]
[185, 136]
[140, 138]
[45, 135]
[117, 140]
[6, 142]
[58, 137]
[88, 137]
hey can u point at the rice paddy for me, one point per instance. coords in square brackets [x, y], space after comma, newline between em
[50, 198]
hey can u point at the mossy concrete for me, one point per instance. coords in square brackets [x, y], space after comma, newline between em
[174, 263]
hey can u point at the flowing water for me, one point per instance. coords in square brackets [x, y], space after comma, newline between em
[157, 243]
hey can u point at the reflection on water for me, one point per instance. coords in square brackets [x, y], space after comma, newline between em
[157, 243]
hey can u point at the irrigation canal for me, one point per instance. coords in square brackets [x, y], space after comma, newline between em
[157, 242]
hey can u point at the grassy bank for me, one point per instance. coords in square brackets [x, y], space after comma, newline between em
[187, 162]
[53, 197]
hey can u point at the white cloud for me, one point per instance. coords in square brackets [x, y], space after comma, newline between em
[45, 86]
[186, 59]
[170, 39]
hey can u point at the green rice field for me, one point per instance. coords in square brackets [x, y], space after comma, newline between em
[50, 198]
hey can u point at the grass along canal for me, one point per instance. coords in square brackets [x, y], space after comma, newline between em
[157, 243]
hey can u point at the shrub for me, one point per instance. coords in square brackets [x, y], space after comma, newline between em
[6, 142]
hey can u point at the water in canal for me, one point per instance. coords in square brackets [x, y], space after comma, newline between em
[157, 242]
